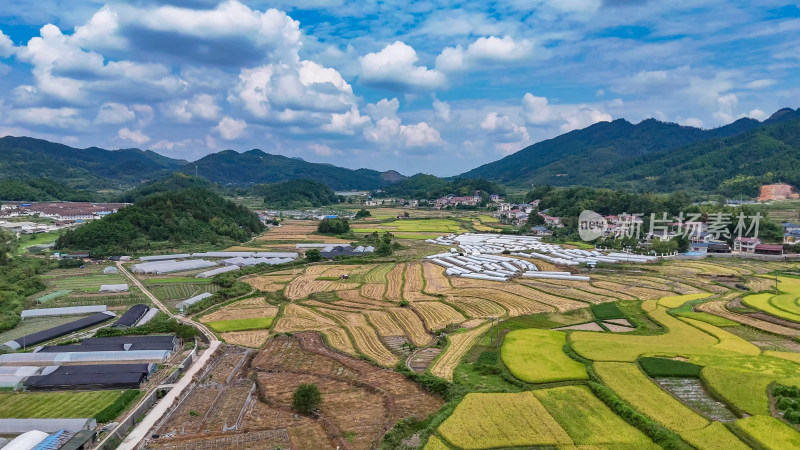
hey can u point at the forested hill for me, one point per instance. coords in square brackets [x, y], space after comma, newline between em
[295, 194]
[165, 220]
[41, 190]
[257, 167]
[735, 166]
[423, 186]
[585, 157]
[23, 158]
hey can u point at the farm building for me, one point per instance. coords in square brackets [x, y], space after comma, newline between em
[117, 343]
[67, 440]
[171, 265]
[131, 317]
[114, 288]
[214, 272]
[193, 300]
[61, 330]
[66, 311]
[332, 251]
[64, 358]
[714, 247]
[102, 376]
[769, 249]
[23, 426]
[699, 247]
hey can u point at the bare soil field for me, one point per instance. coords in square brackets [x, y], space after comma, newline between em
[252, 338]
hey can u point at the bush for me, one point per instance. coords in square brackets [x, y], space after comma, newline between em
[362, 213]
[161, 323]
[313, 255]
[786, 391]
[664, 367]
[113, 410]
[306, 399]
[333, 226]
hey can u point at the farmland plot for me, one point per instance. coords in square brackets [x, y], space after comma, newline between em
[299, 318]
[394, 286]
[52, 405]
[412, 324]
[478, 307]
[502, 420]
[713, 437]
[365, 337]
[718, 309]
[437, 315]
[568, 291]
[412, 287]
[373, 290]
[537, 356]
[384, 323]
[435, 280]
[459, 344]
[770, 432]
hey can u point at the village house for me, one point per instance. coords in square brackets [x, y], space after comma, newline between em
[745, 244]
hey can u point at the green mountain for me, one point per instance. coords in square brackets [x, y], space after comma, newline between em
[423, 186]
[580, 156]
[165, 220]
[734, 166]
[295, 194]
[256, 167]
[173, 182]
[41, 190]
[23, 158]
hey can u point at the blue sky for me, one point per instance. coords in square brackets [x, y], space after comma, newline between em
[414, 86]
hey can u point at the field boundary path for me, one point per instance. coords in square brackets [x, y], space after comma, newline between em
[159, 409]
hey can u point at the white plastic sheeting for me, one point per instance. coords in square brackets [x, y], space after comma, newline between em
[20, 371]
[556, 276]
[26, 441]
[147, 317]
[291, 255]
[169, 266]
[214, 272]
[66, 311]
[56, 359]
[15, 426]
[482, 267]
[164, 257]
[114, 288]
[193, 300]
[246, 262]
[11, 381]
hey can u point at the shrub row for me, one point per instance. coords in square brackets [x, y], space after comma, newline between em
[665, 367]
[113, 410]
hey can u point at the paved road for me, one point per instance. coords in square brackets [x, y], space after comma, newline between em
[159, 409]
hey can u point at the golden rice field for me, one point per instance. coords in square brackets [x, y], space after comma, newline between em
[459, 344]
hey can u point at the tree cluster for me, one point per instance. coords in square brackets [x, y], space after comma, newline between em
[333, 226]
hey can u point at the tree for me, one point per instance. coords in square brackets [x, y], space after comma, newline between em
[362, 213]
[313, 255]
[306, 398]
[333, 226]
[385, 246]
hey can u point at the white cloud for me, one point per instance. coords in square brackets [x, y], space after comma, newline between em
[6, 46]
[693, 122]
[203, 106]
[383, 108]
[760, 84]
[135, 136]
[484, 50]
[507, 135]
[230, 129]
[321, 149]
[536, 110]
[391, 131]
[347, 123]
[442, 109]
[758, 114]
[395, 68]
[50, 117]
[114, 113]
[582, 117]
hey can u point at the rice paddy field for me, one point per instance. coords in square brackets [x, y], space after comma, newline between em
[520, 381]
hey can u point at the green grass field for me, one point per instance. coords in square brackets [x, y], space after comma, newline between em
[502, 420]
[378, 274]
[85, 283]
[633, 386]
[588, 421]
[182, 291]
[537, 356]
[37, 239]
[257, 323]
[48, 405]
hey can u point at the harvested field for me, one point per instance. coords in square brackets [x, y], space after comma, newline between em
[437, 315]
[355, 296]
[299, 318]
[360, 401]
[296, 231]
[478, 307]
[436, 281]
[759, 284]
[422, 359]
[412, 324]
[365, 337]
[412, 287]
[233, 313]
[254, 338]
[373, 290]
[395, 283]
[517, 290]
[268, 283]
[459, 344]
[384, 323]
[568, 292]
[515, 305]
[637, 292]
[584, 286]
[307, 284]
[379, 273]
[717, 308]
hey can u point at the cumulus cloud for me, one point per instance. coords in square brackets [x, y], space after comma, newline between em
[538, 111]
[507, 135]
[395, 68]
[758, 114]
[135, 136]
[693, 122]
[391, 131]
[114, 113]
[6, 46]
[484, 50]
[442, 109]
[202, 106]
[68, 118]
[383, 108]
[230, 129]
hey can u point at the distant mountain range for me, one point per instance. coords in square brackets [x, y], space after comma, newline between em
[649, 156]
[634, 156]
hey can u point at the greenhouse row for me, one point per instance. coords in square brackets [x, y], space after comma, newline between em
[109, 376]
[61, 330]
[214, 272]
[66, 311]
[171, 265]
[193, 300]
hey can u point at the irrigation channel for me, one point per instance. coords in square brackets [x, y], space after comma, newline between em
[159, 409]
